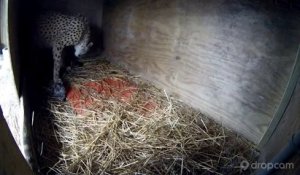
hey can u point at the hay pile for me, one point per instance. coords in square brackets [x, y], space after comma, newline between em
[113, 136]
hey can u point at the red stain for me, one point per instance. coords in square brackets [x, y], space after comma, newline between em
[150, 106]
[79, 99]
[116, 88]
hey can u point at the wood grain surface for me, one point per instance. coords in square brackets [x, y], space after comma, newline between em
[289, 125]
[230, 59]
[12, 162]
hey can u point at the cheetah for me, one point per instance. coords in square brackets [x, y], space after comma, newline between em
[57, 31]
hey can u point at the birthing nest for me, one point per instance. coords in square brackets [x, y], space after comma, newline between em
[115, 123]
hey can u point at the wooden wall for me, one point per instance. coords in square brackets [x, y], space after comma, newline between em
[288, 125]
[230, 59]
[3, 24]
[12, 162]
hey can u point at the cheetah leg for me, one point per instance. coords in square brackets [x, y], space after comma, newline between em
[57, 51]
[58, 89]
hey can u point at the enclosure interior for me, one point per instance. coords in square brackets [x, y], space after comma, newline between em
[230, 59]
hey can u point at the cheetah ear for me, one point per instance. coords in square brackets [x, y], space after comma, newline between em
[90, 44]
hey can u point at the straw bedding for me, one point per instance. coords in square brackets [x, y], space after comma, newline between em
[150, 132]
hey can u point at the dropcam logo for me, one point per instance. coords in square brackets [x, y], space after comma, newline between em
[244, 165]
[268, 166]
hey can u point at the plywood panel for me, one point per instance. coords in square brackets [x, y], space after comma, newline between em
[12, 162]
[289, 125]
[230, 59]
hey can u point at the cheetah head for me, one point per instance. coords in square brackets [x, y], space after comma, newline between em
[82, 48]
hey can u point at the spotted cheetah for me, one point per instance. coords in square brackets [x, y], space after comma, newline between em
[57, 31]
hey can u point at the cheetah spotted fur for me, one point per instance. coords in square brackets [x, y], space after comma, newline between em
[58, 31]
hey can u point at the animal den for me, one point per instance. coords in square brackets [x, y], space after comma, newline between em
[114, 122]
[156, 87]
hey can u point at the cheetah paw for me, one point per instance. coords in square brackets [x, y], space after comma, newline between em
[58, 91]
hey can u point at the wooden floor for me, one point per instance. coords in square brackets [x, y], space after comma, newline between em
[230, 59]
